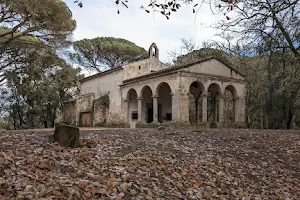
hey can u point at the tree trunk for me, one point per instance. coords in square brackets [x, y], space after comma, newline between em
[15, 122]
[290, 119]
[290, 116]
[45, 124]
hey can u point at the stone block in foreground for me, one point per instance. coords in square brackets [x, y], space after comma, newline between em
[66, 135]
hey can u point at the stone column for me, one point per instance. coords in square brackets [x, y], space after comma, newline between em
[242, 111]
[175, 107]
[172, 104]
[204, 108]
[180, 106]
[198, 110]
[236, 109]
[215, 111]
[239, 112]
[140, 103]
[221, 109]
[184, 107]
[155, 108]
[126, 119]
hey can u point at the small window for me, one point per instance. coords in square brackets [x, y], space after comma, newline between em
[134, 115]
[139, 67]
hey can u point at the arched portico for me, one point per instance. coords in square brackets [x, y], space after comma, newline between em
[162, 99]
[147, 105]
[214, 106]
[195, 102]
[164, 102]
[132, 113]
[230, 96]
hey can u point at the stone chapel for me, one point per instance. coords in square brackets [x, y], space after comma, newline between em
[148, 91]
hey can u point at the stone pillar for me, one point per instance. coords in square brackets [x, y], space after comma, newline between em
[242, 111]
[236, 109]
[126, 118]
[175, 107]
[155, 108]
[204, 108]
[215, 111]
[221, 109]
[184, 107]
[239, 110]
[140, 103]
[172, 104]
[180, 106]
[198, 110]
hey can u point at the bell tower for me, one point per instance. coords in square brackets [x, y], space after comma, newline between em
[153, 51]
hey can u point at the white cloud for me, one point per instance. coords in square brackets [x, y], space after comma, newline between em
[98, 19]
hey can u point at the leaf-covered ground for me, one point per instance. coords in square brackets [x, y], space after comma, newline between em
[152, 164]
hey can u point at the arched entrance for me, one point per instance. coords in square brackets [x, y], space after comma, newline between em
[213, 92]
[164, 103]
[229, 105]
[132, 106]
[195, 102]
[147, 106]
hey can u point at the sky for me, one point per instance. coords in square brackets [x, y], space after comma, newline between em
[99, 18]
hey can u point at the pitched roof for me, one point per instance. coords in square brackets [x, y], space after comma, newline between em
[109, 71]
[174, 69]
[100, 74]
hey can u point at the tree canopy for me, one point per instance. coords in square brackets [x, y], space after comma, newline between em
[36, 92]
[49, 20]
[259, 22]
[105, 52]
[170, 6]
[34, 80]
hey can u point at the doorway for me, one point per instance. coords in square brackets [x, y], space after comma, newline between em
[150, 115]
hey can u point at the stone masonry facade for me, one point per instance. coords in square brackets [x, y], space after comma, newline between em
[148, 91]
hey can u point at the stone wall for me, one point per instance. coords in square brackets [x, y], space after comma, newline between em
[215, 68]
[107, 84]
[69, 115]
[84, 104]
[176, 99]
[99, 114]
[180, 82]
[142, 67]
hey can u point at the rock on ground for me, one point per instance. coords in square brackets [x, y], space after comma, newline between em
[66, 135]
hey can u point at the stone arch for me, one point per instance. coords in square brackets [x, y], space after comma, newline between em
[232, 90]
[160, 85]
[147, 104]
[195, 101]
[215, 85]
[132, 105]
[154, 51]
[230, 94]
[213, 93]
[164, 93]
[145, 88]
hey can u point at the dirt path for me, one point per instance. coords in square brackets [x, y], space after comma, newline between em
[81, 128]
